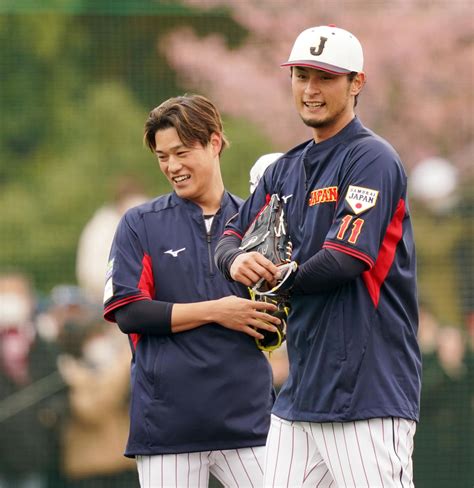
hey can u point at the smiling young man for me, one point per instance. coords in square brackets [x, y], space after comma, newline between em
[346, 416]
[201, 389]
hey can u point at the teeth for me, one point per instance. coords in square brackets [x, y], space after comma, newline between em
[179, 179]
[314, 104]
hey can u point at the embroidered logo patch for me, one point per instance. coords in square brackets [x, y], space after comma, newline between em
[174, 253]
[361, 199]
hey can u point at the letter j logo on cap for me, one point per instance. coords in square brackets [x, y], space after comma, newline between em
[322, 42]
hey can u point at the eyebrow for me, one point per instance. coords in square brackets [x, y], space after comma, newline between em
[173, 148]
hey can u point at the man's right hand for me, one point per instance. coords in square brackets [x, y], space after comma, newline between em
[248, 268]
[244, 315]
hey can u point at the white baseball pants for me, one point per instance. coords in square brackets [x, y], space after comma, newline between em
[375, 453]
[234, 468]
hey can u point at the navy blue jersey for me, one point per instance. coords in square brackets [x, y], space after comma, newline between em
[353, 350]
[204, 389]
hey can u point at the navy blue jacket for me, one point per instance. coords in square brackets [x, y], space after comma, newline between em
[204, 389]
[353, 350]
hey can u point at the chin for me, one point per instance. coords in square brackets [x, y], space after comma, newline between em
[185, 193]
[317, 123]
[314, 123]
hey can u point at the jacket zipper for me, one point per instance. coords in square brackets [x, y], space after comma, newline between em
[209, 249]
[209, 241]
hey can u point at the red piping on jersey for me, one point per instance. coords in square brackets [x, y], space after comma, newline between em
[121, 303]
[147, 282]
[350, 251]
[375, 277]
[134, 338]
[231, 233]
[146, 285]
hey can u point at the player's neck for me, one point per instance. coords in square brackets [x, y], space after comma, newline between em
[210, 202]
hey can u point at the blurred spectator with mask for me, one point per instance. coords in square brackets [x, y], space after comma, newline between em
[29, 385]
[97, 235]
[65, 302]
[97, 371]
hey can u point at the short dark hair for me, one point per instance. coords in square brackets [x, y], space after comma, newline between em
[194, 117]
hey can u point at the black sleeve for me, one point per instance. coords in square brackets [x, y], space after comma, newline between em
[326, 270]
[226, 251]
[145, 317]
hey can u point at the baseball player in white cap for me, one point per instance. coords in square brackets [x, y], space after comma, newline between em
[346, 416]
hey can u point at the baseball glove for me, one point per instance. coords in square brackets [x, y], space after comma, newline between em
[268, 235]
[273, 340]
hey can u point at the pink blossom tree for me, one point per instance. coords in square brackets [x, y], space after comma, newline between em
[418, 61]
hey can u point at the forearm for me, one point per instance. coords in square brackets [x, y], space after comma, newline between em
[160, 318]
[145, 317]
[186, 316]
[325, 271]
[226, 251]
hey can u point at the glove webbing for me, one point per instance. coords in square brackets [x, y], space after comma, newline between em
[272, 340]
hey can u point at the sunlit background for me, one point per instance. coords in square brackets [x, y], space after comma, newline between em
[77, 80]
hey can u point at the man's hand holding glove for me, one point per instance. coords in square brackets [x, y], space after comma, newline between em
[268, 236]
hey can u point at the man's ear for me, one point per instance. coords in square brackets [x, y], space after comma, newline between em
[357, 83]
[216, 143]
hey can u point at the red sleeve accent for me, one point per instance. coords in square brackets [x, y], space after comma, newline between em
[147, 282]
[108, 311]
[146, 285]
[231, 233]
[350, 251]
[375, 277]
[134, 338]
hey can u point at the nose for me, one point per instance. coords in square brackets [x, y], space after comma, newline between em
[174, 164]
[312, 86]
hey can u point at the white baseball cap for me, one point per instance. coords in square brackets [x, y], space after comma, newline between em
[259, 167]
[327, 48]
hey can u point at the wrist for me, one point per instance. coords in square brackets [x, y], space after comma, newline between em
[230, 261]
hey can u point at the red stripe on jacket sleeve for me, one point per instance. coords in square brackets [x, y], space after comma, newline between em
[146, 285]
[147, 282]
[375, 277]
[108, 311]
[230, 232]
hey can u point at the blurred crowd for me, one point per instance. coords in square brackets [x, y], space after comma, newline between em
[64, 371]
[64, 389]
[442, 207]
